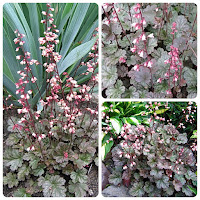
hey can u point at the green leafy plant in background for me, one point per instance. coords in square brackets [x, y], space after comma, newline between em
[152, 153]
[76, 24]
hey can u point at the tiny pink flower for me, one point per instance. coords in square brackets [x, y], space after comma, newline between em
[122, 59]
[66, 155]
[141, 53]
[136, 67]
[33, 79]
[134, 49]
[159, 80]
[168, 92]
[44, 12]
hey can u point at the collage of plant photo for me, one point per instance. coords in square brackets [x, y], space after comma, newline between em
[65, 137]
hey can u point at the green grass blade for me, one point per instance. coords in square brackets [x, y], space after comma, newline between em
[76, 54]
[74, 27]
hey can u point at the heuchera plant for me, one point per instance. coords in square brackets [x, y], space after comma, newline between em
[149, 50]
[151, 157]
[52, 148]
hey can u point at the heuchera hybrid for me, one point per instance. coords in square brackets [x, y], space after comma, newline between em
[60, 137]
[155, 159]
[146, 50]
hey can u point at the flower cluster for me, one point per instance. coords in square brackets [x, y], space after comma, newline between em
[175, 63]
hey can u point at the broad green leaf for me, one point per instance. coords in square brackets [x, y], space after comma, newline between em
[163, 182]
[106, 137]
[190, 175]
[194, 190]
[190, 75]
[133, 120]
[115, 178]
[157, 173]
[148, 187]
[21, 192]
[58, 154]
[88, 146]
[39, 170]
[12, 139]
[169, 190]
[115, 91]
[32, 158]
[106, 148]
[54, 187]
[109, 75]
[161, 111]
[79, 189]
[116, 124]
[113, 59]
[67, 170]
[79, 176]
[137, 189]
[194, 134]
[180, 178]
[131, 93]
[11, 180]
[83, 160]
[23, 172]
[13, 158]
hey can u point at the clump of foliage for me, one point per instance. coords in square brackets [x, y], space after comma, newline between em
[149, 50]
[52, 148]
[151, 156]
